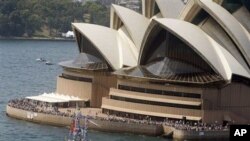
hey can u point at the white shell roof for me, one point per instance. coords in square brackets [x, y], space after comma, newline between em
[243, 16]
[235, 66]
[171, 8]
[128, 50]
[234, 29]
[107, 47]
[121, 47]
[214, 54]
[135, 23]
[206, 47]
[109, 43]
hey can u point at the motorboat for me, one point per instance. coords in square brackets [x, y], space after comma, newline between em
[48, 63]
[41, 59]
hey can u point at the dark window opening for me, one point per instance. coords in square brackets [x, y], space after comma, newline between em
[201, 16]
[159, 92]
[84, 79]
[156, 9]
[232, 5]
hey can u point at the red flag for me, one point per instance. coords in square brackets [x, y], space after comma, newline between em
[72, 126]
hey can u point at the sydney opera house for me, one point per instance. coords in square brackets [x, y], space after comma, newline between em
[179, 59]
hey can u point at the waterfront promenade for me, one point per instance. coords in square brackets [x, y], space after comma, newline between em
[42, 113]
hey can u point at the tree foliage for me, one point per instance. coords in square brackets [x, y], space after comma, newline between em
[98, 12]
[25, 17]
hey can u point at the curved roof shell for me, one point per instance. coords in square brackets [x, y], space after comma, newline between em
[220, 60]
[214, 30]
[105, 47]
[243, 16]
[175, 8]
[234, 29]
[111, 48]
[206, 47]
[135, 23]
[125, 42]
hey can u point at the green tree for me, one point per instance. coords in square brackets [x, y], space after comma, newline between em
[25, 17]
[98, 12]
[33, 23]
[4, 20]
[16, 25]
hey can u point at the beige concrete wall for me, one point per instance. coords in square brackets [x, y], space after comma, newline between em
[212, 116]
[184, 134]
[210, 99]
[101, 125]
[124, 127]
[74, 88]
[187, 134]
[154, 97]
[101, 84]
[38, 117]
[231, 100]
[152, 110]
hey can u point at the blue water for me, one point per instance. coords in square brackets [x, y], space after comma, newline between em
[21, 75]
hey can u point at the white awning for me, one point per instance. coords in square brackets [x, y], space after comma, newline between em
[55, 98]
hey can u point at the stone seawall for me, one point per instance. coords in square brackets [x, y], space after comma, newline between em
[114, 126]
[111, 126]
[197, 135]
[101, 125]
[38, 117]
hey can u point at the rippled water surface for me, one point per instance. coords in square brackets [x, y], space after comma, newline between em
[21, 75]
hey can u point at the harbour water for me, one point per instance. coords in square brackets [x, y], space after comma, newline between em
[21, 75]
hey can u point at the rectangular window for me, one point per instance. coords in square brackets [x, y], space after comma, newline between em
[84, 79]
[122, 87]
[155, 103]
[136, 89]
[159, 92]
[153, 91]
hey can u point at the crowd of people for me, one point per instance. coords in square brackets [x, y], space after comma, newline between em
[42, 107]
[177, 124]
[34, 106]
[128, 120]
[195, 126]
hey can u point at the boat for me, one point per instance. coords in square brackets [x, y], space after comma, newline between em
[48, 63]
[41, 59]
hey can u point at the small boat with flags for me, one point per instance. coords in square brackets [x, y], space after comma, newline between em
[79, 128]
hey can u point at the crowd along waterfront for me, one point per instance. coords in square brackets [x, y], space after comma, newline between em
[21, 75]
